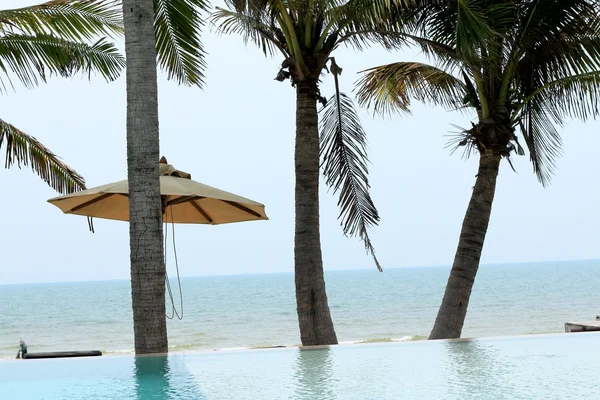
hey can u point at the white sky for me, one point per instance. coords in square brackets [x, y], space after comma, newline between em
[238, 135]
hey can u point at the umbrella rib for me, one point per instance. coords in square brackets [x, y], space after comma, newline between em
[183, 199]
[201, 211]
[90, 202]
[243, 208]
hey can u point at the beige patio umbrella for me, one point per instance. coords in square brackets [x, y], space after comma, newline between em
[184, 201]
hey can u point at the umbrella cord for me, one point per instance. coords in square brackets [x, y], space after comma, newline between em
[173, 309]
[91, 224]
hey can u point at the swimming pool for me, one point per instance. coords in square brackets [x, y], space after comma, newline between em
[526, 367]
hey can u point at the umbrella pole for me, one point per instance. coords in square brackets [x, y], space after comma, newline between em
[165, 204]
[167, 281]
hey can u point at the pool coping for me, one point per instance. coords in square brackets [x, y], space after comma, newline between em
[342, 345]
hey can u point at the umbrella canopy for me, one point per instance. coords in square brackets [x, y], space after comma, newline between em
[184, 201]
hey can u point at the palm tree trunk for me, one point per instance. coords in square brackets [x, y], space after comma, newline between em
[145, 210]
[452, 312]
[314, 318]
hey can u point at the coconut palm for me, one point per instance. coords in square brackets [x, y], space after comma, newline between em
[306, 33]
[167, 32]
[54, 38]
[523, 67]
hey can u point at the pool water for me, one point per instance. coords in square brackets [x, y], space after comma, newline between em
[526, 367]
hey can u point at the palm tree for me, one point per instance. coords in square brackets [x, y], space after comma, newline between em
[53, 39]
[306, 33]
[49, 39]
[167, 31]
[523, 67]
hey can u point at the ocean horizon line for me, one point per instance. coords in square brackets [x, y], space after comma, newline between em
[259, 310]
[483, 265]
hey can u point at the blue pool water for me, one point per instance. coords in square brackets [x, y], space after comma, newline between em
[527, 367]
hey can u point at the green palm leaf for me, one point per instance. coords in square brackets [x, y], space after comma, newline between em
[177, 28]
[362, 23]
[444, 55]
[24, 149]
[542, 139]
[32, 58]
[68, 19]
[389, 88]
[553, 23]
[253, 28]
[344, 162]
[575, 96]
[472, 28]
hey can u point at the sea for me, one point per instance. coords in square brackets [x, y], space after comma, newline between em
[258, 311]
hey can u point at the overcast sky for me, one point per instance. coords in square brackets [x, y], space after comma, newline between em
[238, 135]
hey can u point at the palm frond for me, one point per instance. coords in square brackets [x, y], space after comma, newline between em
[555, 41]
[501, 16]
[574, 96]
[253, 26]
[67, 19]
[556, 59]
[472, 28]
[389, 88]
[344, 162]
[361, 23]
[550, 22]
[389, 23]
[285, 13]
[438, 22]
[26, 150]
[32, 58]
[445, 56]
[542, 139]
[177, 28]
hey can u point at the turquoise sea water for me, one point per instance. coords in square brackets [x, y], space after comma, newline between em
[259, 310]
[524, 368]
